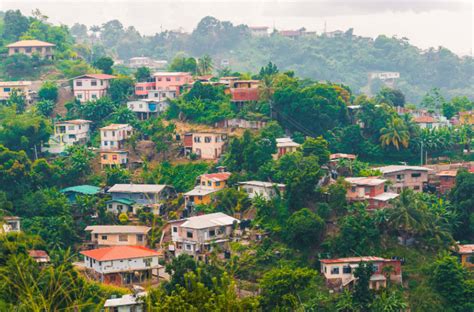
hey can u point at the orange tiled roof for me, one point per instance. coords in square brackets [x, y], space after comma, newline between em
[220, 176]
[424, 119]
[354, 259]
[466, 249]
[30, 43]
[119, 252]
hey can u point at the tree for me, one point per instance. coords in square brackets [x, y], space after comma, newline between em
[184, 64]
[142, 74]
[317, 147]
[117, 175]
[304, 229]
[19, 66]
[395, 133]
[48, 91]
[451, 281]
[280, 287]
[362, 295]
[14, 25]
[205, 65]
[17, 99]
[269, 70]
[45, 107]
[121, 88]
[105, 64]
[393, 97]
[160, 133]
[463, 200]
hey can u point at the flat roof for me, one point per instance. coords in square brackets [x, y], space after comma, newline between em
[125, 300]
[15, 83]
[386, 196]
[396, 168]
[370, 181]
[119, 252]
[201, 191]
[448, 173]
[353, 260]
[75, 121]
[118, 229]
[170, 73]
[209, 220]
[115, 127]
[262, 184]
[137, 188]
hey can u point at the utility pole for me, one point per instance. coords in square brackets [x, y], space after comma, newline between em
[421, 154]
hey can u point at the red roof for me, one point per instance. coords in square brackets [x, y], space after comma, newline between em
[96, 76]
[466, 249]
[244, 94]
[354, 260]
[425, 119]
[38, 254]
[220, 176]
[119, 252]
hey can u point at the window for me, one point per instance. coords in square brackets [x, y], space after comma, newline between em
[209, 183]
[188, 247]
[375, 267]
[212, 233]
[110, 205]
[104, 157]
[346, 269]
[189, 234]
[353, 189]
[335, 271]
[106, 143]
[101, 82]
[400, 177]
[28, 50]
[112, 143]
[94, 96]
[114, 157]
[78, 83]
[207, 139]
[119, 207]
[416, 175]
[159, 78]
[470, 259]
[175, 229]
[93, 83]
[416, 187]
[249, 190]
[70, 127]
[147, 261]
[367, 190]
[96, 236]
[104, 237]
[197, 139]
[168, 78]
[7, 89]
[178, 79]
[113, 133]
[218, 183]
[17, 50]
[123, 238]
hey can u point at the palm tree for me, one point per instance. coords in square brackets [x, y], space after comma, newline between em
[266, 88]
[396, 134]
[205, 65]
[409, 215]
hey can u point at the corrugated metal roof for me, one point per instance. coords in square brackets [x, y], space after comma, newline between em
[118, 229]
[82, 189]
[209, 220]
[137, 188]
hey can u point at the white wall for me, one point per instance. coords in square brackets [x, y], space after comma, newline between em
[120, 265]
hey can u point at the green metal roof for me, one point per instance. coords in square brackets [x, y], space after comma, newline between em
[124, 201]
[82, 189]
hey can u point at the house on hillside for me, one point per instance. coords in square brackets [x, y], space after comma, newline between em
[466, 118]
[40, 256]
[22, 87]
[117, 235]
[207, 185]
[466, 252]
[403, 177]
[198, 236]
[427, 122]
[32, 47]
[371, 190]
[112, 144]
[9, 224]
[266, 190]
[126, 303]
[122, 265]
[447, 180]
[164, 81]
[68, 133]
[80, 190]
[145, 109]
[284, 146]
[259, 31]
[339, 273]
[206, 145]
[91, 87]
[129, 198]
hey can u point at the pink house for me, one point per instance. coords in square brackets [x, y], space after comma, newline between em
[173, 81]
[91, 87]
[370, 190]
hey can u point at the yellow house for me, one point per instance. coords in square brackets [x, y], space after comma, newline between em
[466, 118]
[113, 158]
[208, 184]
[467, 255]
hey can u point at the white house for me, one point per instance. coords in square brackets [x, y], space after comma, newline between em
[259, 31]
[10, 224]
[126, 303]
[122, 265]
[267, 190]
[113, 136]
[68, 133]
[145, 109]
[91, 87]
[129, 198]
[197, 236]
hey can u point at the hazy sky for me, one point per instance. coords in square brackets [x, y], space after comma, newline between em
[425, 22]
